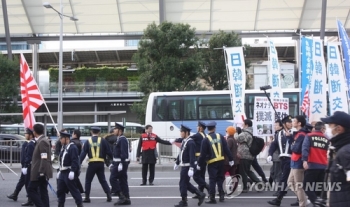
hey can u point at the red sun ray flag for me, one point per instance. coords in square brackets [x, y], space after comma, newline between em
[305, 107]
[31, 96]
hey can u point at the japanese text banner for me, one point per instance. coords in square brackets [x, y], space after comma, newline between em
[236, 70]
[264, 117]
[345, 44]
[318, 92]
[306, 65]
[275, 72]
[336, 81]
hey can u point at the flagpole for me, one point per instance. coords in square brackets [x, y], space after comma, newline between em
[343, 65]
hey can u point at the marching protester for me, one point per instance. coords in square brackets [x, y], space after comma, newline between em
[22, 179]
[69, 168]
[97, 149]
[120, 165]
[199, 175]
[282, 143]
[338, 131]
[186, 159]
[214, 148]
[148, 143]
[41, 169]
[232, 145]
[111, 138]
[314, 157]
[296, 175]
[76, 140]
[245, 139]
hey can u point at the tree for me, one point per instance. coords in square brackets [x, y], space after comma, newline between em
[214, 72]
[168, 59]
[9, 88]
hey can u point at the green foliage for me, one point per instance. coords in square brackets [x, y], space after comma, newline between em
[99, 74]
[9, 88]
[139, 108]
[214, 72]
[168, 59]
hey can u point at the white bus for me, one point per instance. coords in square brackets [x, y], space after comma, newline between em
[166, 111]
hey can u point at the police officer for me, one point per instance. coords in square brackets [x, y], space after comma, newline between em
[148, 143]
[199, 175]
[97, 149]
[21, 181]
[120, 165]
[214, 148]
[28, 161]
[76, 140]
[186, 159]
[282, 142]
[69, 168]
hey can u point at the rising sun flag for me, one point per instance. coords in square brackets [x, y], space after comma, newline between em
[31, 96]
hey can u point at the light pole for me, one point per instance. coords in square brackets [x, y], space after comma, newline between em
[60, 62]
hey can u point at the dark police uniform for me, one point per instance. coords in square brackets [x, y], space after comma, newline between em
[186, 159]
[28, 164]
[21, 181]
[282, 143]
[69, 165]
[78, 144]
[148, 144]
[121, 160]
[214, 148]
[199, 175]
[97, 149]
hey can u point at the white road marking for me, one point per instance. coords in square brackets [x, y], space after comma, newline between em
[171, 197]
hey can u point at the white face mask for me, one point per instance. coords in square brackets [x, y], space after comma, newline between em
[227, 135]
[329, 133]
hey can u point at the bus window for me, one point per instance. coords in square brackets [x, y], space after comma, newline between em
[160, 109]
[190, 108]
[174, 109]
[215, 107]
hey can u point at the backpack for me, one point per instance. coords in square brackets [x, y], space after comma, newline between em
[257, 145]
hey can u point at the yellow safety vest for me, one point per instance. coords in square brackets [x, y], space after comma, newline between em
[203, 135]
[95, 156]
[217, 151]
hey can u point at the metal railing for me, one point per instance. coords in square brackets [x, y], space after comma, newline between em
[10, 151]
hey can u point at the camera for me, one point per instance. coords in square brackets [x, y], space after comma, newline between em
[264, 88]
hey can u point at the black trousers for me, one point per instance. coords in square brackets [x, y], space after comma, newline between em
[216, 176]
[78, 183]
[245, 172]
[199, 177]
[258, 169]
[151, 173]
[21, 182]
[185, 184]
[96, 168]
[313, 178]
[37, 191]
[114, 179]
[123, 179]
[285, 168]
[64, 184]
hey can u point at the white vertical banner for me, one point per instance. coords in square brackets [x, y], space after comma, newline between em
[275, 72]
[318, 93]
[336, 80]
[236, 71]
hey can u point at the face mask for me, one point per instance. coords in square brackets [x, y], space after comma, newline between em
[227, 135]
[329, 133]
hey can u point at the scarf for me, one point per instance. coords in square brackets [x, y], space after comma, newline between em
[340, 140]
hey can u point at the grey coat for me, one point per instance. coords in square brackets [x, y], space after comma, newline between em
[244, 140]
[41, 161]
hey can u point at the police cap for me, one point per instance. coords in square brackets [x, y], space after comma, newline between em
[287, 118]
[211, 124]
[339, 118]
[201, 124]
[64, 135]
[309, 126]
[185, 128]
[119, 126]
[95, 128]
[29, 131]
